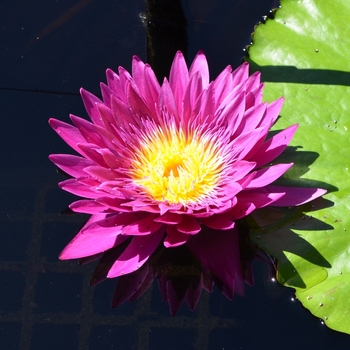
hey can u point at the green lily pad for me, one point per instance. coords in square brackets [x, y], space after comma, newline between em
[303, 54]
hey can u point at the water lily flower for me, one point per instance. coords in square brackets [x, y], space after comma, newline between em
[174, 164]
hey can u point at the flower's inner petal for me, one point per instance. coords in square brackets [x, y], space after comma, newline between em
[178, 167]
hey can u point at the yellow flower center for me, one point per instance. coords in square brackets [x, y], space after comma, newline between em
[175, 167]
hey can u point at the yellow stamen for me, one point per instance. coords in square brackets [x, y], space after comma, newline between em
[177, 168]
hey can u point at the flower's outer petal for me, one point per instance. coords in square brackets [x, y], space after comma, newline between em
[68, 133]
[222, 86]
[189, 225]
[107, 93]
[101, 173]
[192, 93]
[90, 102]
[266, 176]
[169, 218]
[200, 64]
[250, 120]
[219, 252]
[231, 114]
[107, 260]
[138, 105]
[87, 130]
[295, 195]
[260, 197]
[152, 89]
[245, 142]
[204, 106]
[218, 222]
[145, 226]
[87, 206]
[241, 209]
[113, 82]
[136, 254]
[240, 74]
[91, 152]
[79, 189]
[111, 224]
[174, 238]
[147, 83]
[254, 98]
[253, 82]
[123, 115]
[137, 70]
[273, 110]
[85, 244]
[70, 164]
[178, 79]
[241, 168]
[274, 146]
[167, 101]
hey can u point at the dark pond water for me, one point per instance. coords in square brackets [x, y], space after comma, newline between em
[48, 50]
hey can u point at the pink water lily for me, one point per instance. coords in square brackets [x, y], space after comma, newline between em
[174, 164]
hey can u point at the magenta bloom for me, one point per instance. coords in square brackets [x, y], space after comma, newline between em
[178, 163]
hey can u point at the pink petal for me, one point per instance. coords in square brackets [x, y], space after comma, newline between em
[272, 113]
[169, 218]
[200, 65]
[274, 146]
[70, 134]
[87, 130]
[174, 238]
[231, 114]
[90, 102]
[85, 243]
[142, 227]
[111, 224]
[137, 70]
[241, 209]
[77, 188]
[113, 81]
[72, 165]
[136, 102]
[192, 93]
[266, 176]
[295, 195]
[222, 86]
[136, 254]
[218, 222]
[178, 79]
[240, 74]
[167, 100]
[87, 206]
[188, 225]
[101, 173]
[260, 197]
[251, 119]
[91, 152]
[123, 113]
